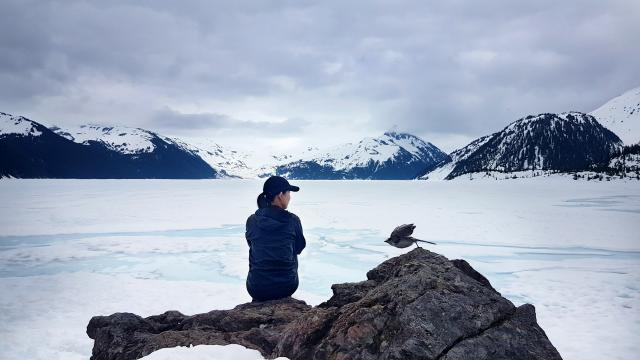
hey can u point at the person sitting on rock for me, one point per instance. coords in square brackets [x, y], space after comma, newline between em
[275, 240]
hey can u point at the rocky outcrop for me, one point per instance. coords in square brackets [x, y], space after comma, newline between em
[418, 305]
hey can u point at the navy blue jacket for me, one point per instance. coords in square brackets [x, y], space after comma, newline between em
[275, 240]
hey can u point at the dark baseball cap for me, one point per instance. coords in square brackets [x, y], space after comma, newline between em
[277, 184]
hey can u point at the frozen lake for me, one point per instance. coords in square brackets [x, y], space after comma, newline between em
[72, 249]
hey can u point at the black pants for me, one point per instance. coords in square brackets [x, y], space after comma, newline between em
[271, 292]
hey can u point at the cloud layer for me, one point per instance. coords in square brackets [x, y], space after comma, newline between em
[314, 73]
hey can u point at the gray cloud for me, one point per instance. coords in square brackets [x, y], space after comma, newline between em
[351, 69]
[172, 120]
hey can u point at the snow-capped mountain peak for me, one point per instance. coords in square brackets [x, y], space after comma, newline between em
[409, 142]
[554, 119]
[18, 125]
[622, 116]
[369, 149]
[125, 140]
[391, 155]
[31, 149]
[231, 162]
[564, 142]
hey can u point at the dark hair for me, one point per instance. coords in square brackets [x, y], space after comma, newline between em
[265, 199]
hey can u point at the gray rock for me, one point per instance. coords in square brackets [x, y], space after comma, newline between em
[467, 269]
[253, 325]
[418, 305]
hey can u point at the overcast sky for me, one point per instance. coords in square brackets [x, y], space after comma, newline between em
[282, 75]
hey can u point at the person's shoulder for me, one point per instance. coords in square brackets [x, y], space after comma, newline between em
[250, 218]
[295, 217]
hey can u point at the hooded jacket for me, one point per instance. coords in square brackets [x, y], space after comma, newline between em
[275, 240]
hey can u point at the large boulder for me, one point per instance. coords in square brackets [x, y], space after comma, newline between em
[418, 305]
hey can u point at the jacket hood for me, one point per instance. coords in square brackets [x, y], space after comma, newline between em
[272, 217]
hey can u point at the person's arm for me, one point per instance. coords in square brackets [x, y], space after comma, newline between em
[246, 231]
[300, 240]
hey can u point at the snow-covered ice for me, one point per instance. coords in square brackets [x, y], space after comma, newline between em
[206, 352]
[72, 249]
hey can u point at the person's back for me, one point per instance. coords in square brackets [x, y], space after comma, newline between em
[275, 240]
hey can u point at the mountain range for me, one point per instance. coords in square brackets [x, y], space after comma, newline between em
[31, 150]
[392, 155]
[543, 143]
[565, 142]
